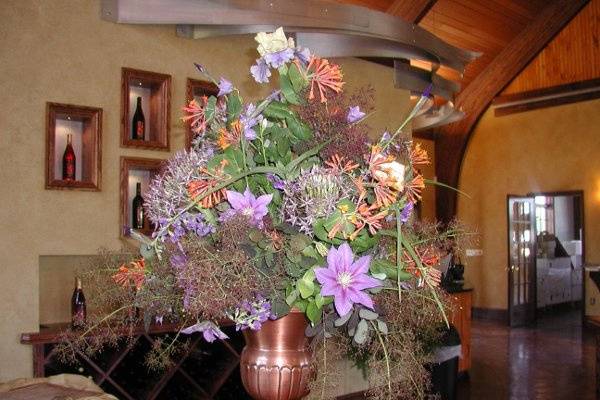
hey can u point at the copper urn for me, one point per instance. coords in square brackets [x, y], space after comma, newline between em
[276, 362]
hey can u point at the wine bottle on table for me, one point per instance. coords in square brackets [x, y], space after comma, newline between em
[78, 307]
[138, 125]
[68, 164]
[138, 208]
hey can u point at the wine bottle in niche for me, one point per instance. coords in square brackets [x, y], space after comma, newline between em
[138, 125]
[137, 208]
[78, 307]
[68, 164]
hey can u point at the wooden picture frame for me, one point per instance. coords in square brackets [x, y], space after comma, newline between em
[85, 123]
[142, 168]
[155, 89]
[196, 88]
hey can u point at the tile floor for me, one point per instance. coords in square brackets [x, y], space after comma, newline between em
[553, 360]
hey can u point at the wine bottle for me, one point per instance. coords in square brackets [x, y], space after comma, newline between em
[78, 307]
[138, 125]
[68, 164]
[138, 208]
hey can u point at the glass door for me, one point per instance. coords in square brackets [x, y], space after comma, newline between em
[521, 260]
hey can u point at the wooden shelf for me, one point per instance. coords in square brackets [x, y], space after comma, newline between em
[195, 89]
[133, 170]
[154, 89]
[85, 125]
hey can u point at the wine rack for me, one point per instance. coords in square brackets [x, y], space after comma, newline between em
[154, 89]
[84, 124]
[134, 170]
[195, 89]
[202, 371]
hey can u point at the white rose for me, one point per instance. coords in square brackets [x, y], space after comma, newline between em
[392, 173]
[273, 42]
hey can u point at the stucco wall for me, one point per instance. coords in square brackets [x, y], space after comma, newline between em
[552, 149]
[62, 51]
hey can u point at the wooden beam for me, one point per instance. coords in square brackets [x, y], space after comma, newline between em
[411, 10]
[452, 139]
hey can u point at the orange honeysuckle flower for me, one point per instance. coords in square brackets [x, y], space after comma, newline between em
[324, 76]
[230, 136]
[418, 156]
[134, 274]
[340, 164]
[415, 187]
[196, 116]
[196, 190]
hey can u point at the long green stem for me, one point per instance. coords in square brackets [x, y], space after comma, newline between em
[387, 358]
[398, 251]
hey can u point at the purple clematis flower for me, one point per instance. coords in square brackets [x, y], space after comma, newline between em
[345, 279]
[279, 58]
[260, 71]
[354, 114]
[209, 330]
[225, 87]
[249, 205]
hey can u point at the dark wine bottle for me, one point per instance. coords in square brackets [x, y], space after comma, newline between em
[78, 307]
[68, 164]
[138, 125]
[138, 208]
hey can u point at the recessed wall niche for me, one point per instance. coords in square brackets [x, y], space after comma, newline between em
[73, 146]
[136, 170]
[194, 91]
[145, 109]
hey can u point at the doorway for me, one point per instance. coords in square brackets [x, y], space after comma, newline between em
[545, 254]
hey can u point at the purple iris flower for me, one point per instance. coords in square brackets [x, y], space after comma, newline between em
[249, 121]
[279, 58]
[354, 114]
[249, 205]
[209, 330]
[260, 71]
[406, 212]
[302, 54]
[345, 279]
[225, 87]
[277, 182]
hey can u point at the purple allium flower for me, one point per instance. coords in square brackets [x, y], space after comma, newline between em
[178, 260]
[249, 205]
[260, 71]
[406, 212]
[277, 182]
[209, 330]
[252, 315]
[225, 87]
[344, 279]
[249, 121]
[302, 54]
[279, 58]
[354, 114]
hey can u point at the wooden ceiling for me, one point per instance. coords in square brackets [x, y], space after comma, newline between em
[486, 26]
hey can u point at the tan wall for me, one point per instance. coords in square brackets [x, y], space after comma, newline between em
[551, 149]
[61, 51]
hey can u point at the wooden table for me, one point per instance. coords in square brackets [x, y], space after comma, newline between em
[460, 317]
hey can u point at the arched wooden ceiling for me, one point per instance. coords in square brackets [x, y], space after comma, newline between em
[508, 33]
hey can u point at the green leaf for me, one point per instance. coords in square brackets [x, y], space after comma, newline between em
[342, 320]
[382, 327]
[209, 110]
[309, 251]
[313, 312]
[277, 110]
[319, 300]
[368, 314]
[299, 130]
[147, 252]
[234, 106]
[288, 90]
[301, 305]
[305, 287]
[362, 332]
[291, 298]
[283, 146]
[389, 269]
[280, 309]
[309, 275]
[297, 79]
[322, 249]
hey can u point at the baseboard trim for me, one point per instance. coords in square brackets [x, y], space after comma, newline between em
[490, 314]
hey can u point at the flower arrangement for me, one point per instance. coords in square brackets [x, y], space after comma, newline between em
[285, 204]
